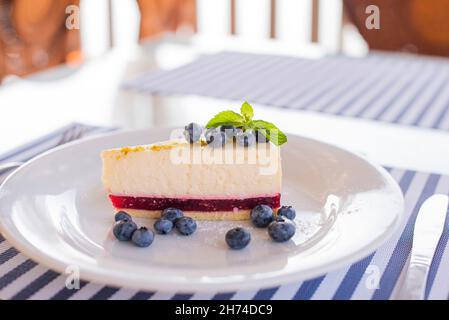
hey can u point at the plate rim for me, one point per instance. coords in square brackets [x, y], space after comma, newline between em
[24, 246]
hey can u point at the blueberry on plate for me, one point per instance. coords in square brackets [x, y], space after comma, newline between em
[238, 238]
[123, 229]
[143, 237]
[192, 132]
[278, 219]
[171, 214]
[163, 226]
[281, 230]
[215, 138]
[122, 215]
[287, 212]
[246, 139]
[261, 215]
[185, 226]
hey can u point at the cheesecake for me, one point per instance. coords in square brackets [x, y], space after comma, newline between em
[205, 183]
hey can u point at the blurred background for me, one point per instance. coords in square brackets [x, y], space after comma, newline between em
[66, 60]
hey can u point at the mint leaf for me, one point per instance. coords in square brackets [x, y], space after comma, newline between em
[247, 111]
[244, 120]
[226, 118]
[270, 131]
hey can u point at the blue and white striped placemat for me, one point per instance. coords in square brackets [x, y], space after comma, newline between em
[22, 278]
[399, 88]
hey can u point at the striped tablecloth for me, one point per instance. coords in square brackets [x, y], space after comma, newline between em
[398, 88]
[22, 278]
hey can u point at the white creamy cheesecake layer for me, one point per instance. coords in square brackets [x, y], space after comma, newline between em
[177, 169]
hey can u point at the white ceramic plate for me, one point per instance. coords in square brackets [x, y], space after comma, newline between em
[54, 210]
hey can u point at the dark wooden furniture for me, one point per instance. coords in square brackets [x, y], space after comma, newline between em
[158, 16]
[418, 26]
[33, 36]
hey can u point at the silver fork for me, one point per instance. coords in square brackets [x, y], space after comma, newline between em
[69, 135]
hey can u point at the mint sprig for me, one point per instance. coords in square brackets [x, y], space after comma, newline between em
[247, 111]
[245, 121]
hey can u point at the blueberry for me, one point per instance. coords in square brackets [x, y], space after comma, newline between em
[215, 138]
[261, 137]
[143, 237]
[246, 138]
[123, 229]
[192, 132]
[238, 130]
[237, 238]
[230, 131]
[261, 215]
[281, 231]
[185, 226]
[228, 127]
[163, 226]
[287, 211]
[172, 214]
[209, 134]
[122, 215]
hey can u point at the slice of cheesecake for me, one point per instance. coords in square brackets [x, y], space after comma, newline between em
[206, 183]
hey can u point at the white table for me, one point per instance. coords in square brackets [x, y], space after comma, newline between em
[39, 104]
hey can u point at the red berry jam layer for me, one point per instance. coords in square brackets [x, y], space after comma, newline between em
[189, 204]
